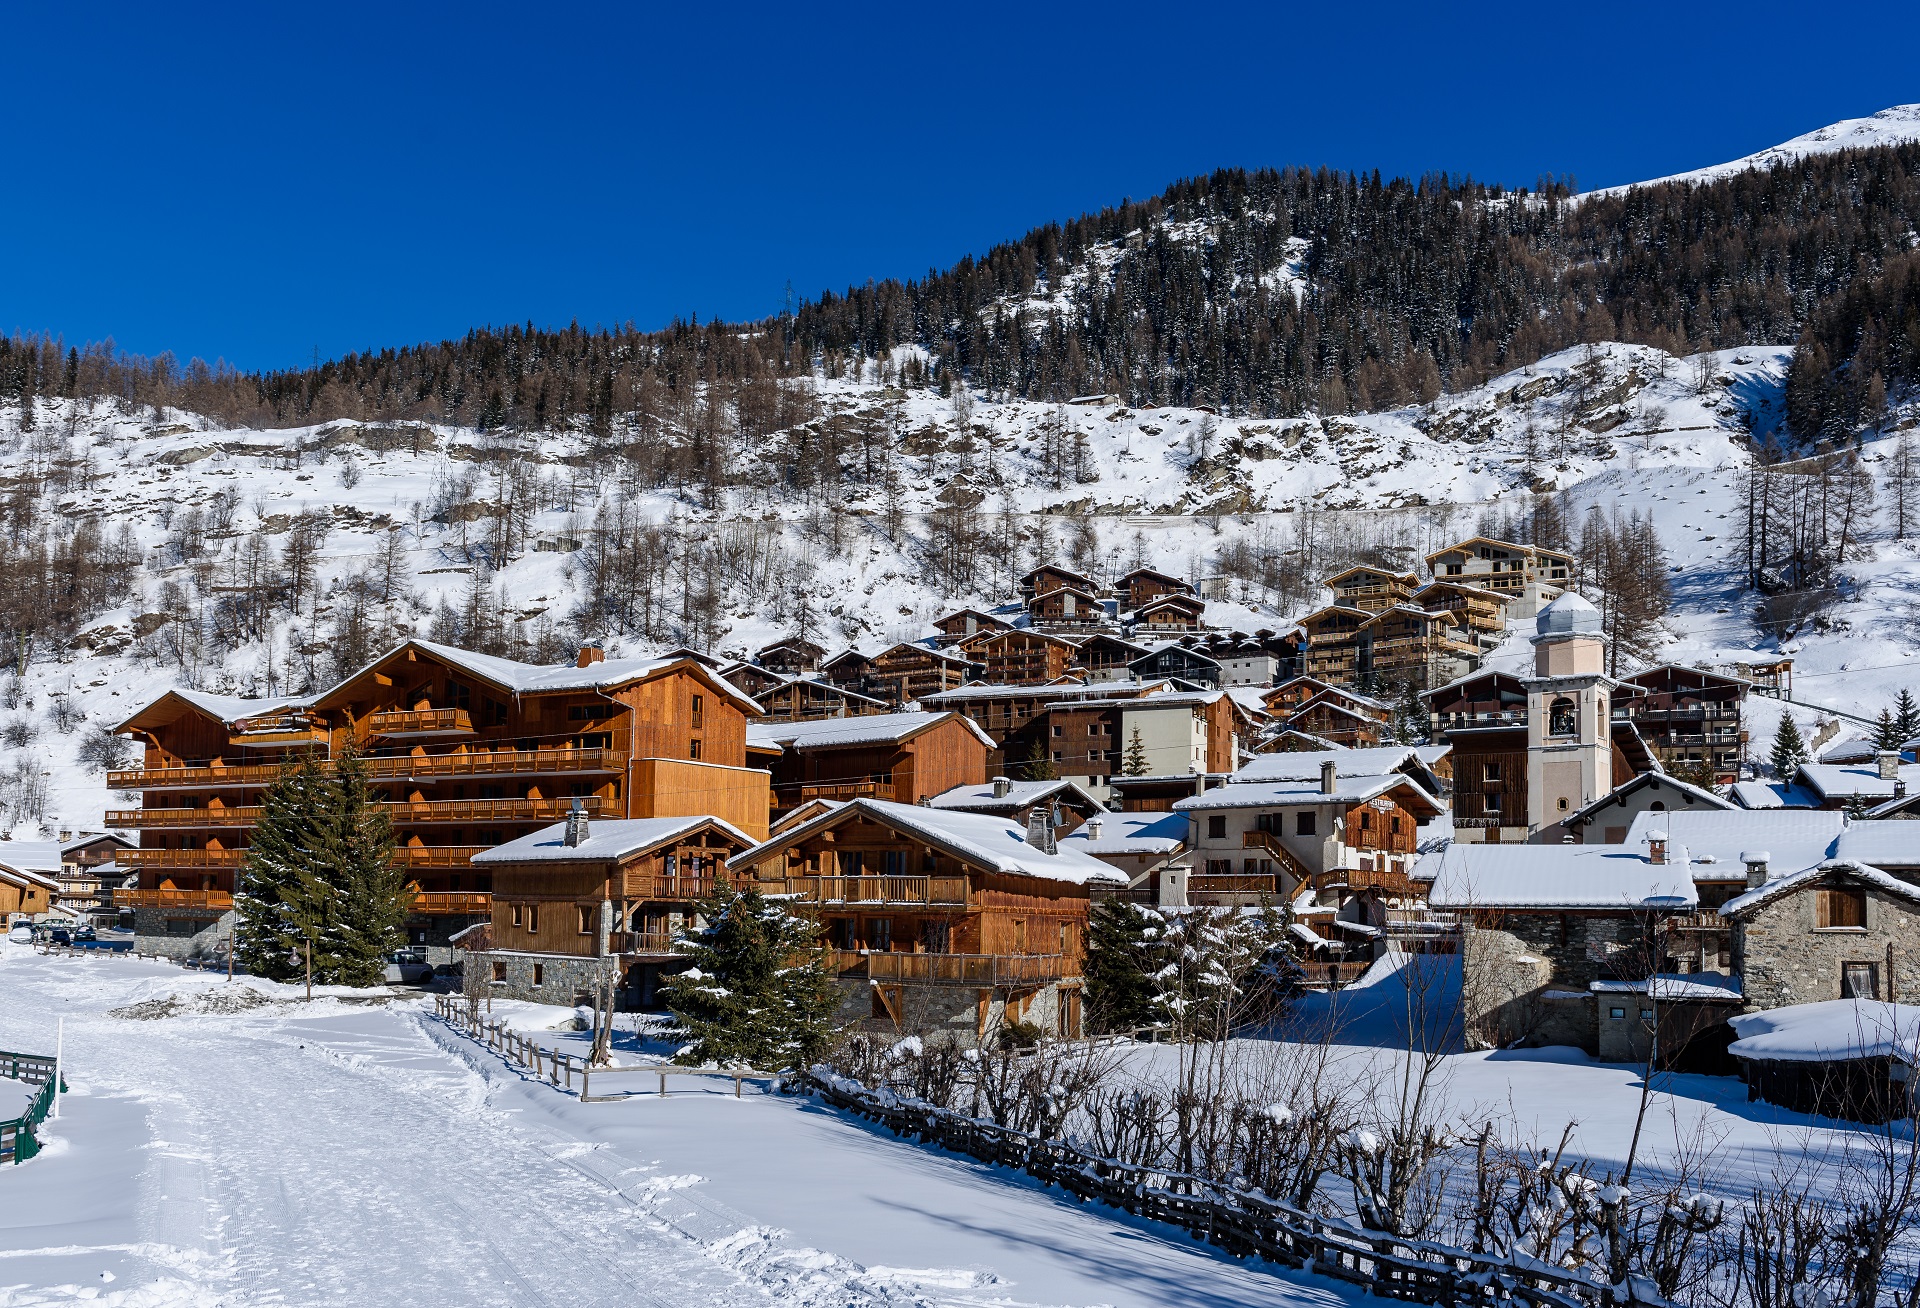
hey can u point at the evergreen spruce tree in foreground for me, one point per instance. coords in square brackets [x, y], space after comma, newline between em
[1122, 952]
[759, 993]
[1906, 717]
[1136, 760]
[272, 915]
[1789, 750]
[1886, 731]
[319, 874]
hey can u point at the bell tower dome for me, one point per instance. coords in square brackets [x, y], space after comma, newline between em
[1569, 736]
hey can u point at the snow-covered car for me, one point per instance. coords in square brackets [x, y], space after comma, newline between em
[21, 935]
[408, 967]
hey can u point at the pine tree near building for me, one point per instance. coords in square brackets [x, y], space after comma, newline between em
[1789, 750]
[1135, 764]
[1122, 940]
[273, 915]
[1906, 717]
[371, 896]
[759, 992]
[1039, 764]
[1886, 731]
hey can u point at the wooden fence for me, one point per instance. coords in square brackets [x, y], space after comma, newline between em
[17, 1140]
[1245, 1223]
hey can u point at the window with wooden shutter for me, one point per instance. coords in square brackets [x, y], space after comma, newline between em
[1859, 981]
[1840, 909]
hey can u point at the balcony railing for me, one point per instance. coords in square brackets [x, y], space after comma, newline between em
[1394, 882]
[280, 731]
[905, 890]
[681, 889]
[198, 858]
[1270, 841]
[642, 942]
[439, 903]
[437, 810]
[420, 722]
[1698, 922]
[1233, 890]
[436, 855]
[966, 969]
[210, 900]
[470, 763]
[844, 790]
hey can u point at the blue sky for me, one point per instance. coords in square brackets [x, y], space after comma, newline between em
[258, 183]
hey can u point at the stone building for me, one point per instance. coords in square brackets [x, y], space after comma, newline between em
[1841, 930]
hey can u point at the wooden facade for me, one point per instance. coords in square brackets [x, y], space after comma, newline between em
[1170, 613]
[1106, 657]
[1332, 651]
[806, 700]
[466, 752]
[905, 672]
[1691, 720]
[1051, 576]
[1371, 589]
[1066, 606]
[905, 767]
[791, 657]
[1144, 585]
[1016, 658]
[966, 623]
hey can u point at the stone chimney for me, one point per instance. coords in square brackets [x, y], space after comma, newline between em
[591, 652]
[576, 826]
[1002, 787]
[1040, 829]
[1756, 861]
[1327, 773]
[1657, 848]
[1173, 885]
[1889, 761]
[1094, 826]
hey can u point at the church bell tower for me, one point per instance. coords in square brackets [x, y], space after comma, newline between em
[1569, 739]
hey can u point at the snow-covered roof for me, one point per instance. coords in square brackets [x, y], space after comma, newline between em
[1061, 690]
[86, 838]
[1290, 794]
[1303, 764]
[1249, 700]
[37, 856]
[1687, 792]
[1864, 873]
[977, 838]
[1794, 838]
[1880, 844]
[1835, 1030]
[1854, 749]
[26, 877]
[227, 709]
[1672, 986]
[1759, 795]
[519, 678]
[607, 838]
[872, 729]
[1020, 794]
[1560, 877]
[1832, 781]
[1130, 833]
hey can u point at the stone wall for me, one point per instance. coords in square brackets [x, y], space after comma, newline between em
[561, 976]
[1525, 977]
[173, 933]
[1782, 959]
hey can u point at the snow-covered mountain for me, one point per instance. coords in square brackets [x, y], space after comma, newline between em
[847, 521]
[1899, 125]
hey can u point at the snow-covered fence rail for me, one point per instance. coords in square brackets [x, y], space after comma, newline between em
[17, 1140]
[1242, 1222]
[549, 1065]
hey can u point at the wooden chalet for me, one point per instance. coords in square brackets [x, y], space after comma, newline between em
[1191, 665]
[803, 699]
[1015, 717]
[468, 751]
[966, 623]
[1065, 804]
[1691, 720]
[1333, 716]
[1291, 695]
[790, 657]
[1504, 566]
[1406, 646]
[907, 671]
[940, 923]
[752, 678]
[1371, 589]
[899, 757]
[1142, 586]
[1481, 612]
[583, 901]
[850, 669]
[1022, 657]
[1052, 576]
[24, 892]
[1106, 657]
[1170, 613]
[1066, 607]
[1333, 643]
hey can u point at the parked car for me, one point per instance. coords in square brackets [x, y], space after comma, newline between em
[409, 967]
[60, 936]
[82, 934]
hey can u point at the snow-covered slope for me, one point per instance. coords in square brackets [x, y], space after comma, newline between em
[1896, 126]
[1614, 426]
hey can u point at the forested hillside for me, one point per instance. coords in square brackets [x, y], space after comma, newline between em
[1264, 293]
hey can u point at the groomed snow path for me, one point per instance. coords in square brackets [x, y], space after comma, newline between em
[345, 1154]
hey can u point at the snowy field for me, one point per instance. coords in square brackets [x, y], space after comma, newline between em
[250, 1148]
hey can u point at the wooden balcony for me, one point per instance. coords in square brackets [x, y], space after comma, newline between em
[205, 900]
[189, 858]
[452, 903]
[177, 818]
[1234, 890]
[906, 891]
[677, 890]
[978, 970]
[842, 791]
[418, 724]
[659, 943]
[468, 763]
[1393, 882]
[280, 731]
[437, 855]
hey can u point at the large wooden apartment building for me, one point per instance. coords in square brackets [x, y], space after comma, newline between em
[468, 750]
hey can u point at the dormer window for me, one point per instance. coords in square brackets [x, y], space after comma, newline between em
[1560, 718]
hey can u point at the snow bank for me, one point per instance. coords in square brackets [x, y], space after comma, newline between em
[1836, 1030]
